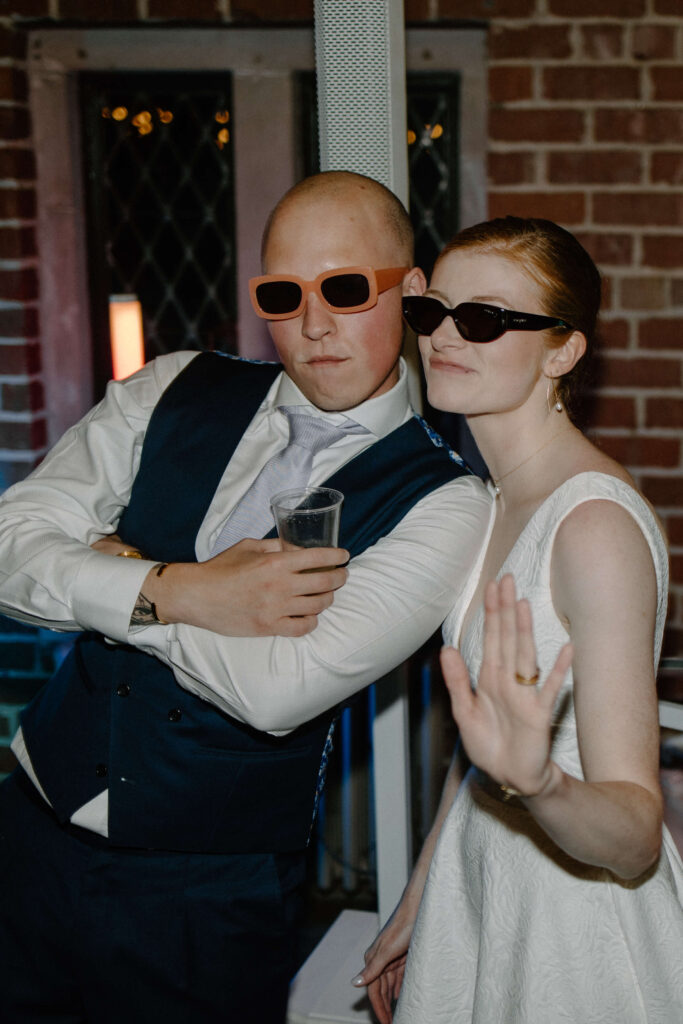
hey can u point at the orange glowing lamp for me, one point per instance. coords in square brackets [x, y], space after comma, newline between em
[125, 328]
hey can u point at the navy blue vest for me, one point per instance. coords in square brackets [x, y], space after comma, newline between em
[181, 774]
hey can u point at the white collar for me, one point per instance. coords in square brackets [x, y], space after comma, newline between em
[379, 415]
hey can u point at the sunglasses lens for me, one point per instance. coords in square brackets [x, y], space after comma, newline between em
[346, 290]
[478, 322]
[422, 314]
[275, 297]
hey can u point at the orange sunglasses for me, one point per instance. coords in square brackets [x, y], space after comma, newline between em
[345, 290]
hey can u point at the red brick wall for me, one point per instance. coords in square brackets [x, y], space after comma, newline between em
[585, 127]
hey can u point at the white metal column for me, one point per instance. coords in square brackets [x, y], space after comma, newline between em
[360, 64]
[361, 81]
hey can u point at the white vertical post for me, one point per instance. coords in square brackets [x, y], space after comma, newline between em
[361, 81]
[360, 64]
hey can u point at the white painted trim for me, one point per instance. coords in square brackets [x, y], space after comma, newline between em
[671, 715]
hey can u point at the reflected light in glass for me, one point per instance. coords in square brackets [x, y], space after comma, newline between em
[125, 329]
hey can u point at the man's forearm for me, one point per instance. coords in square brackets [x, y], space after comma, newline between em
[398, 593]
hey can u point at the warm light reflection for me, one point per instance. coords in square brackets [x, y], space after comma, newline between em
[125, 328]
[222, 138]
[430, 132]
[119, 113]
[222, 116]
[143, 122]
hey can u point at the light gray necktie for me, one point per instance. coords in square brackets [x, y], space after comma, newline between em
[288, 468]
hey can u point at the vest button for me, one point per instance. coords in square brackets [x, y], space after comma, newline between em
[100, 770]
[174, 715]
[123, 689]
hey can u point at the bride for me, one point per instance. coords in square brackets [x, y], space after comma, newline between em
[547, 889]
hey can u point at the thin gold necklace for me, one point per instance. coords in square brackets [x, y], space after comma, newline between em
[509, 472]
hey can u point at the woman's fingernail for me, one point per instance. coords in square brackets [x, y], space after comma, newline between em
[357, 981]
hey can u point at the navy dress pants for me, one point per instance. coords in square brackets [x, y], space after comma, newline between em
[95, 934]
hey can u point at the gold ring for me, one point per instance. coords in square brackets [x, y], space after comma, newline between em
[527, 680]
[129, 553]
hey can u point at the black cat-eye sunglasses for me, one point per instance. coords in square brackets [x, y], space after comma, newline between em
[475, 321]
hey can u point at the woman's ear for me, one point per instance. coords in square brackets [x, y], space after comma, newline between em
[561, 360]
[414, 283]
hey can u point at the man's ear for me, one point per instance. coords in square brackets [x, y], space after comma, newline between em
[561, 360]
[414, 283]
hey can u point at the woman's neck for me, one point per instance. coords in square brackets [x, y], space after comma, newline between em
[516, 450]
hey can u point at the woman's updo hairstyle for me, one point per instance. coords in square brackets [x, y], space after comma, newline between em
[558, 263]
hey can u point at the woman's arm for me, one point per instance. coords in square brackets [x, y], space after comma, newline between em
[385, 958]
[604, 590]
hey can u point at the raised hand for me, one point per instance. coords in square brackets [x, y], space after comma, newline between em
[505, 724]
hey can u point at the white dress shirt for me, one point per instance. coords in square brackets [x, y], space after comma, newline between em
[397, 593]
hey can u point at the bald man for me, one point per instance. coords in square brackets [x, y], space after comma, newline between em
[152, 841]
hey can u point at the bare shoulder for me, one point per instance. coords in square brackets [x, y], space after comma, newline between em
[601, 550]
[599, 526]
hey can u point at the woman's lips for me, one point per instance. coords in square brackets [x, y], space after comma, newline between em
[447, 366]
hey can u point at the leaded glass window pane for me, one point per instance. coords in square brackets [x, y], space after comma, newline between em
[158, 165]
[433, 161]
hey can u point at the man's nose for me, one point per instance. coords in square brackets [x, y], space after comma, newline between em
[317, 319]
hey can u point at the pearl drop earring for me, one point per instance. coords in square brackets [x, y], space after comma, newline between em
[558, 403]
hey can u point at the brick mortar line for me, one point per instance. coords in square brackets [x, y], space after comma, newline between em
[547, 17]
[569, 63]
[599, 146]
[12, 455]
[635, 105]
[22, 417]
[650, 433]
[631, 391]
[663, 473]
[609, 188]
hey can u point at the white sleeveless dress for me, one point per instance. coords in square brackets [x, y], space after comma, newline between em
[511, 930]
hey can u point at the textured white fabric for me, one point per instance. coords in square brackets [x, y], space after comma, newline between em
[511, 930]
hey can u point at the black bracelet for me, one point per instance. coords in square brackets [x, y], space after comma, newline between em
[160, 567]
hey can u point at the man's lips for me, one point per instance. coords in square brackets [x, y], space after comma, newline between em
[325, 360]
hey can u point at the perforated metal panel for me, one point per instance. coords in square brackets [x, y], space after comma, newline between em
[360, 60]
[360, 63]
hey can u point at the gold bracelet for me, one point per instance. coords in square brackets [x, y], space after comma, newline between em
[129, 553]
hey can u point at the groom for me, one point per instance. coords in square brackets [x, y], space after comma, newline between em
[152, 841]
